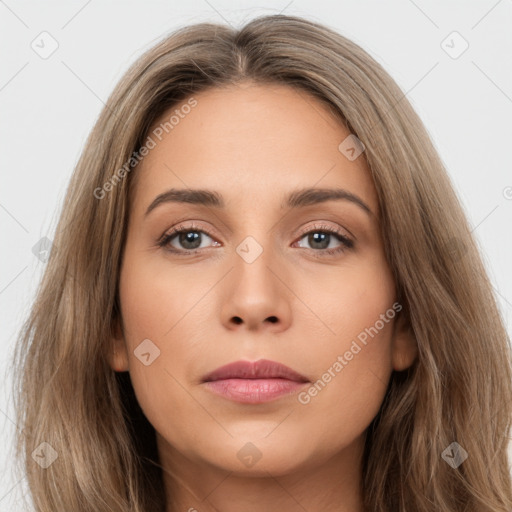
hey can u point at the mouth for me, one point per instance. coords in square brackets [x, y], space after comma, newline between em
[254, 382]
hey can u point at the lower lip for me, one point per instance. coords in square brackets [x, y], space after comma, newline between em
[254, 391]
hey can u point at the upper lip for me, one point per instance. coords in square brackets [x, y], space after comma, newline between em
[261, 369]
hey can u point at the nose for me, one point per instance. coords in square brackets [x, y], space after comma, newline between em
[256, 294]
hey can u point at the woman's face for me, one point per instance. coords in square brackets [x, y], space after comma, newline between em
[262, 270]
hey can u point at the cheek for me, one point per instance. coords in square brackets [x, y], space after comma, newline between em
[352, 360]
[353, 303]
[154, 299]
[347, 394]
[144, 313]
[159, 307]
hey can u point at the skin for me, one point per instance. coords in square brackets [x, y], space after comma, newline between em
[255, 144]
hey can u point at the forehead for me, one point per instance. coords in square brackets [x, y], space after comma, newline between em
[252, 143]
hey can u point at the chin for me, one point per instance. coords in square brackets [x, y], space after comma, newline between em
[259, 457]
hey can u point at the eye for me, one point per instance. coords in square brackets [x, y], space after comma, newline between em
[321, 238]
[190, 239]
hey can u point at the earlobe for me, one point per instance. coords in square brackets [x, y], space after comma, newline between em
[117, 354]
[404, 346]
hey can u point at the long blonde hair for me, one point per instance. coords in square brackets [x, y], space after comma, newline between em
[458, 390]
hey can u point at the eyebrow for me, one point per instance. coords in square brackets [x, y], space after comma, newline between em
[297, 199]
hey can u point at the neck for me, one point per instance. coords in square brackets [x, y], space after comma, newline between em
[332, 485]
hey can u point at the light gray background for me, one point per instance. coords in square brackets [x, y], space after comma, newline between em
[49, 105]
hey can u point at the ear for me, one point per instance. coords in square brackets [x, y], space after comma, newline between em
[404, 346]
[117, 353]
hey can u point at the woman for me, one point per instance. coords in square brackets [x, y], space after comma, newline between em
[327, 338]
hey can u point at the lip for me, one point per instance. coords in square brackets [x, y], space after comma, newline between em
[254, 381]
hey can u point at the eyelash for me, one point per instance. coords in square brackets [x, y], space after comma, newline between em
[347, 243]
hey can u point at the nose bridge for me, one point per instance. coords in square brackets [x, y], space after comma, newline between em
[255, 255]
[257, 244]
